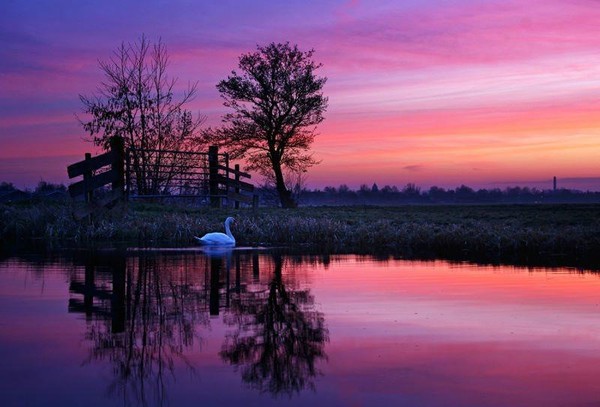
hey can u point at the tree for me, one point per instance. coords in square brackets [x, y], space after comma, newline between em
[45, 188]
[7, 187]
[411, 190]
[364, 189]
[136, 101]
[277, 101]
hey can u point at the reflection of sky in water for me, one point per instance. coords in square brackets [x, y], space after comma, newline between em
[393, 332]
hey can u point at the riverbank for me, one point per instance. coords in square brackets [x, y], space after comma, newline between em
[565, 234]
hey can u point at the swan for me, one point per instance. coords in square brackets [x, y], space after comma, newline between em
[218, 238]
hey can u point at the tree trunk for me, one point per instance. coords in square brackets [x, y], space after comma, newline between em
[285, 195]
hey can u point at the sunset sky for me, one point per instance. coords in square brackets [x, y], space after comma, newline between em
[432, 92]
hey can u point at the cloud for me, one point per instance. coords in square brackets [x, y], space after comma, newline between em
[459, 33]
[413, 168]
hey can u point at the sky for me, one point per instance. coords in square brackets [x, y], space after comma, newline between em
[431, 92]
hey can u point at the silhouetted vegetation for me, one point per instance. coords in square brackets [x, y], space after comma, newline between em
[277, 101]
[412, 194]
[44, 191]
[137, 102]
[566, 234]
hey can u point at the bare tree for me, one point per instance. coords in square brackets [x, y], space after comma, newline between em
[277, 101]
[137, 101]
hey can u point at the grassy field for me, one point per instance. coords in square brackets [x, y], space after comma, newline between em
[553, 234]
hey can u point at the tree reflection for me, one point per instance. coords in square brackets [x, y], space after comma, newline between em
[153, 313]
[278, 339]
[144, 311]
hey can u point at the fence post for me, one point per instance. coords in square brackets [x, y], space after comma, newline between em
[213, 173]
[127, 173]
[87, 178]
[215, 272]
[237, 184]
[118, 298]
[255, 267]
[226, 157]
[117, 148]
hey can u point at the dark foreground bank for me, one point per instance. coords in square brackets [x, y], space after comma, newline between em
[562, 234]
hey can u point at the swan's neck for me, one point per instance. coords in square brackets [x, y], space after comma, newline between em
[228, 231]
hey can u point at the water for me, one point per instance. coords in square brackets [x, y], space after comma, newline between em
[255, 328]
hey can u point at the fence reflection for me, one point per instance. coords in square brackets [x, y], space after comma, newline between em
[145, 312]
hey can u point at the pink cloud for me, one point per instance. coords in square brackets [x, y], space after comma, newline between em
[464, 33]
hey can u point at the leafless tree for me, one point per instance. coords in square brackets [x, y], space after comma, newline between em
[137, 101]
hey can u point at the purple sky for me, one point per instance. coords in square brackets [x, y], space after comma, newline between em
[443, 93]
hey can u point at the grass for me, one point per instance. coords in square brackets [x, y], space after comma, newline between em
[552, 234]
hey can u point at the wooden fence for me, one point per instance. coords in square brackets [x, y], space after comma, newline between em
[223, 184]
[107, 168]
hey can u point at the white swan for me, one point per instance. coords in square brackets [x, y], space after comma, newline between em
[218, 238]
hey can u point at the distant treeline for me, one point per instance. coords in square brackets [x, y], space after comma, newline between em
[43, 190]
[365, 195]
[412, 194]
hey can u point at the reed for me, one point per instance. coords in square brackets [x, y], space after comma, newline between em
[561, 232]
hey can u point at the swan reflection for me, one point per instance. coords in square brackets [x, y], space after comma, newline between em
[217, 251]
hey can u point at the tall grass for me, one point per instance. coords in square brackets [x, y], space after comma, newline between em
[566, 233]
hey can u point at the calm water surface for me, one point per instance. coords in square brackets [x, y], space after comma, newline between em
[253, 328]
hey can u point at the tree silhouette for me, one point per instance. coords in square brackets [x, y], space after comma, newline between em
[137, 101]
[277, 102]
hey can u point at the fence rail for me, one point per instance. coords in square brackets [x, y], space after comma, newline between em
[201, 177]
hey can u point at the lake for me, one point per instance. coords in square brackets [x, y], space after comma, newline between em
[254, 327]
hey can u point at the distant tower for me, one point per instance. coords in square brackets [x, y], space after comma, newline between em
[554, 183]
